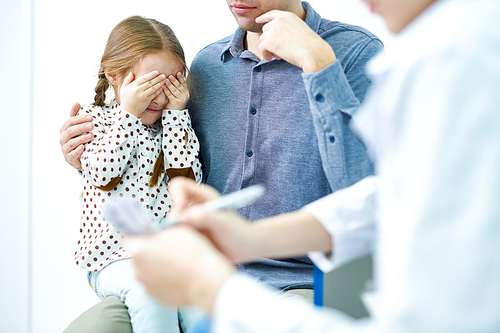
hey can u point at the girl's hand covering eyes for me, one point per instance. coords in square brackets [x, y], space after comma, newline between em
[177, 92]
[136, 95]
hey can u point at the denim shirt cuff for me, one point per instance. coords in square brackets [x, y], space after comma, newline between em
[329, 91]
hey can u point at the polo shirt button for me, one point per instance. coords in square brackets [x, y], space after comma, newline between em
[332, 139]
[257, 69]
[249, 153]
[320, 98]
[253, 111]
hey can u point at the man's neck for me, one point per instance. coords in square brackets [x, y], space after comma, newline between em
[252, 41]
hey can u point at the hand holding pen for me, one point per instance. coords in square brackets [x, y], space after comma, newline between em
[229, 232]
[129, 217]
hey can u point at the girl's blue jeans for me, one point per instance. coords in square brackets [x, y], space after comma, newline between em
[146, 313]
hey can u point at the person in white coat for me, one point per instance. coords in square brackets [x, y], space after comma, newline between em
[430, 215]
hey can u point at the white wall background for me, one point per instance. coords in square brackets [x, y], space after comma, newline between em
[49, 56]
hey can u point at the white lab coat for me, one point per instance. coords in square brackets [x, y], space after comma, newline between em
[431, 215]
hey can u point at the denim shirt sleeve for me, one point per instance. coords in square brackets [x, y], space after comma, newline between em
[334, 94]
[332, 101]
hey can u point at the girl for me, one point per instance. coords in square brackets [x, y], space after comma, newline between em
[142, 138]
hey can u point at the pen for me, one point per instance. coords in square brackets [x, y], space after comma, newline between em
[131, 218]
[233, 200]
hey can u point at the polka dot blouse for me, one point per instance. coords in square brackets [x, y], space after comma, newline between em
[118, 163]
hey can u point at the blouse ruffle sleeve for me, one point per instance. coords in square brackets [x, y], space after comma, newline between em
[115, 132]
[180, 145]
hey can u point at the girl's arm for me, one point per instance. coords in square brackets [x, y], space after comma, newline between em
[180, 146]
[106, 157]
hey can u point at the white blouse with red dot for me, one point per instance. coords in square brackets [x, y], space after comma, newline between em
[124, 147]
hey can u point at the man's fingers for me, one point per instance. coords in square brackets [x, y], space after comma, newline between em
[78, 130]
[76, 120]
[74, 142]
[74, 109]
[72, 156]
[268, 56]
[70, 143]
[269, 16]
[75, 153]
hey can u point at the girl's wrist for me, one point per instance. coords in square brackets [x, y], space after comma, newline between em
[130, 110]
[127, 120]
[176, 107]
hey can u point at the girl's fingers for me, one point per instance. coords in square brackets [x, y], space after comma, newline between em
[154, 84]
[147, 77]
[129, 79]
[168, 92]
[156, 93]
[180, 78]
[177, 82]
[155, 88]
[150, 83]
[177, 85]
[182, 82]
[171, 86]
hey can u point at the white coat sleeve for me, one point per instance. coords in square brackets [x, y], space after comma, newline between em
[349, 216]
[247, 306]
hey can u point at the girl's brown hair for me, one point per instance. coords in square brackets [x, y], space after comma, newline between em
[131, 40]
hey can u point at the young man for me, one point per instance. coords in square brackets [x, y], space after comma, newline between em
[253, 117]
[430, 214]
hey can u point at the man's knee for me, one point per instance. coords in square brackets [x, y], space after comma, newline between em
[108, 316]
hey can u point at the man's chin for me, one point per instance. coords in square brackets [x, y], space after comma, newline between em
[257, 30]
[249, 26]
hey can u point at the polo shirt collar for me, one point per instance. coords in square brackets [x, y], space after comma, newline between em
[235, 46]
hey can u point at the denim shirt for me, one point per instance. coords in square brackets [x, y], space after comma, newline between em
[264, 122]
